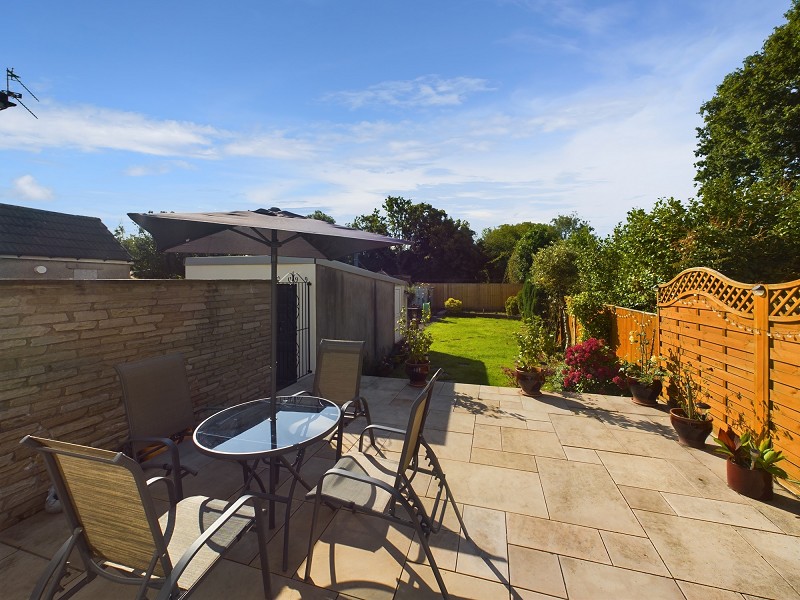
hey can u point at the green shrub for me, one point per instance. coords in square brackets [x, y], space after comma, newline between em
[453, 306]
[512, 306]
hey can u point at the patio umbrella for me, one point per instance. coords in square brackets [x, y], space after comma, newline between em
[270, 232]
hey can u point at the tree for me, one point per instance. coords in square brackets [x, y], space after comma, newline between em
[555, 270]
[321, 216]
[497, 245]
[537, 237]
[149, 263]
[441, 249]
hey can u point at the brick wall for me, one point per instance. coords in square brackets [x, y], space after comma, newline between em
[60, 340]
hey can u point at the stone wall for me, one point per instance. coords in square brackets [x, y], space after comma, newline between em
[60, 340]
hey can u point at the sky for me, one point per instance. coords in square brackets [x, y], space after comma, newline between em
[495, 111]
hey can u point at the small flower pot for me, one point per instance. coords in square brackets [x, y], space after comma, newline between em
[530, 382]
[753, 483]
[418, 373]
[644, 394]
[691, 432]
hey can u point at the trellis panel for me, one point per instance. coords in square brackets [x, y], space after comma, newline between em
[750, 336]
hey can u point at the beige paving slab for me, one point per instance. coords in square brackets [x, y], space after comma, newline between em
[536, 571]
[585, 494]
[535, 443]
[635, 553]
[780, 551]
[711, 554]
[729, 513]
[523, 594]
[509, 460]
[651, 500]
[645, 472]
[450, 421]
[19, 572]
[510, 403]
[449, 444]
[486, 555]
[539, 425]
[783, 510]
[642, 423]
[6, 551]
[41, 534]
[488, 437]
[695, 591]
[586, 455]
[359, 555]
[556, 537]
[502, 419]
[650, 444]
[584, 432]
[708, 484]
[547, 403]
[491, 487]
[417, 583]
[591, 581]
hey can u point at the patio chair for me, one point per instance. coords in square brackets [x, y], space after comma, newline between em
[160, 415]
[383, 488]
[338, 378]
[118, 535]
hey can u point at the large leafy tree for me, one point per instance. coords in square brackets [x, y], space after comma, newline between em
[442, 249]
[497, 244]
[149, 263]
[538, 236]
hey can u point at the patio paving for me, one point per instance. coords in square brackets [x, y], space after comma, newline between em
[565, 497]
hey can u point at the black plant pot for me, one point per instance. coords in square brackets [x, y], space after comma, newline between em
[644, 394]
[530, 382]
[691, 432]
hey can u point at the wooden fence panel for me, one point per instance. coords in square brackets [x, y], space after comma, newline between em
[477, 297]
[749, 336]
[624, 322]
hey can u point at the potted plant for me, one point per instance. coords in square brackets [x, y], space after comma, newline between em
[531, 362]
[644, 376]
[751, 463]
[417, 342]
[687, 389]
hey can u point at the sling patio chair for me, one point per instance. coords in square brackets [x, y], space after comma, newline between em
[338, 378]
[118, 535]
[158, 406]
[380, 487]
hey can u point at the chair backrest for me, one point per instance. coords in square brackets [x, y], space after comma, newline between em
[338, 374]
[416, 422]
[156, 394]
[105, 493]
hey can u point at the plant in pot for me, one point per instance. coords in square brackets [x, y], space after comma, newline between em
[644, 376]
[687, 390]
[751, 463]
[531, 363]
[417, 342]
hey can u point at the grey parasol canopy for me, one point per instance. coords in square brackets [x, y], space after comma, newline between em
[270, 232]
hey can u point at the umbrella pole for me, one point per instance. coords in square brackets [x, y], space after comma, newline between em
[273, 317]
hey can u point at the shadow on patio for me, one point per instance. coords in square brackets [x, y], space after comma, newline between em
[565, 497]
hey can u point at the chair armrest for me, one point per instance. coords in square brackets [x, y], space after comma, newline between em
[302, 393]
[171, 582]
[173, 502]
[371, 428]
[171, 446]
[355, 476]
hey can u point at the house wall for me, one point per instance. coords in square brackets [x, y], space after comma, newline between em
[31, 268]
[60, 340]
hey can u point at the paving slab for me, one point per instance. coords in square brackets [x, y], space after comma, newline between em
[534, 443]
[590, 581]
[646, 472]
[557, 538]
[718, 511]
[536, 571]
[584, 432]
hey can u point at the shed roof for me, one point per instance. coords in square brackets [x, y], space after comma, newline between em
[33, 232]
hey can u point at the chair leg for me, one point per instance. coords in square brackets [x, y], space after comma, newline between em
[455, 507]
[56, 570]
[317, 502]
[423, 540]
[339, 437]
[365, 410]
[262, 548]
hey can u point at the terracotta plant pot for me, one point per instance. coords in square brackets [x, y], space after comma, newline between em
[417, 373]
[530, 382]
[691, 432]
[644, 394]
[753, 483]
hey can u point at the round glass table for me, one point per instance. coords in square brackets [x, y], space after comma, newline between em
[247, 434]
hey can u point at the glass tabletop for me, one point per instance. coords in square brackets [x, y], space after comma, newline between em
[247, 431]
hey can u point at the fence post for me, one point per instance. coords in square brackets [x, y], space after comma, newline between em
[761, 357]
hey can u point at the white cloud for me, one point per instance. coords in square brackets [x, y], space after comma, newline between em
[161, 168]
[429, 90]
[27, 188]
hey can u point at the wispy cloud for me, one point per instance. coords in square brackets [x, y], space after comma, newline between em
[160, 168]
[27, 188]
[426, 91]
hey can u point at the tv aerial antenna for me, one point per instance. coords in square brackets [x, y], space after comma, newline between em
[6, 95]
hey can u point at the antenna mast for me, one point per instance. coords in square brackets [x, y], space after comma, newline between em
[6, 95]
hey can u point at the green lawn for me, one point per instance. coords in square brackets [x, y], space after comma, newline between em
[472, 349]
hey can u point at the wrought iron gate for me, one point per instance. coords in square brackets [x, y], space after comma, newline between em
[294, 329]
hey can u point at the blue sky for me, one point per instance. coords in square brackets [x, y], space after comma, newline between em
[496, 111]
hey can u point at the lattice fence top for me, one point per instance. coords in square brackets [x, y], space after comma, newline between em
[736, 297]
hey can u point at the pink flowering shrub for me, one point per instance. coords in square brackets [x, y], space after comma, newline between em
[591, 367]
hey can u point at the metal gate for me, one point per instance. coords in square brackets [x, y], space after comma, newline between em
[294, 329]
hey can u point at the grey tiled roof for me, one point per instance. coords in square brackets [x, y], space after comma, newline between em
[34, 232]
